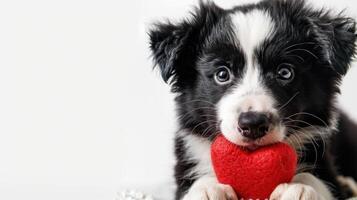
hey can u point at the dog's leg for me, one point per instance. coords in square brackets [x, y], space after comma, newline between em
[304, 186]
[208, 188]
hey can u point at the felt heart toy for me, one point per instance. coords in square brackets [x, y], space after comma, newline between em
[253, 174]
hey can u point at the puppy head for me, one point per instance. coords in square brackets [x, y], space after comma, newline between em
[255, 71]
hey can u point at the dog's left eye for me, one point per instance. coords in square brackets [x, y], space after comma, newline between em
[222, 75]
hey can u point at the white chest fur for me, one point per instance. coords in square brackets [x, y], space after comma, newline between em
[198, 151]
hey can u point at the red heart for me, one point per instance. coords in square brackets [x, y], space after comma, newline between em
[253, 174]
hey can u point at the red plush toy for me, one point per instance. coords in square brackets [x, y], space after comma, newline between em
[253, 174]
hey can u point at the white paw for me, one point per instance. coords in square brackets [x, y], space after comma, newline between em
[210, 189]
[295, 191]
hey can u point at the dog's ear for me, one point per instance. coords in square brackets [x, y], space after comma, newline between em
[175, 47]
[336, 36]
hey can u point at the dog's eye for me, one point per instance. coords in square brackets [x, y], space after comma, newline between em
[285, 72]
[223, 75]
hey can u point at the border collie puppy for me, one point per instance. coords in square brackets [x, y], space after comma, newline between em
[259, 74]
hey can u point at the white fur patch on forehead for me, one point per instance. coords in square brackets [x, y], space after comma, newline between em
[250, 93]
[251, 29]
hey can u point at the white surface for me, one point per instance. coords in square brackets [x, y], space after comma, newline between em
[81, 112]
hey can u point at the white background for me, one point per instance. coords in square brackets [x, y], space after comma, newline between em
[82, 115]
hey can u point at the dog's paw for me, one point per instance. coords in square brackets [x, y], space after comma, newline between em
[295, 191]
[210, 189]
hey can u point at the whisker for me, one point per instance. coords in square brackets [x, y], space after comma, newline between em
[313, 142]
[297, 56]
[294, 45]
[198, 100]
[199, 108]
[312, 115]
[305, 50]
[206, 121]
[207, 130]
[317, 133]
[292, 137]
[297, 143]
[281, 107]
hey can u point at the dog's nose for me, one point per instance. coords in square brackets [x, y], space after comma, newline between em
[253, 125]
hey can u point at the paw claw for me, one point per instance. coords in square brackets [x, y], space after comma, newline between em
[210, 190]
[294, 191]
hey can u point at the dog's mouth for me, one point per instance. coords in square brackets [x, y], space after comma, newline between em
[251, 146]
[276, 134]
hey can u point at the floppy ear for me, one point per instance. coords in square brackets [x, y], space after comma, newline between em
[336, 36]
[175, 47]
[167, 43]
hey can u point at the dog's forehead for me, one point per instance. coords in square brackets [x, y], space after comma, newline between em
[251, 29]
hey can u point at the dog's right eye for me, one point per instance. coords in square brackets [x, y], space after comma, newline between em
[285, 73]
[223, 75]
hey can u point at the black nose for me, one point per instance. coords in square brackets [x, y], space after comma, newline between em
[253, 125]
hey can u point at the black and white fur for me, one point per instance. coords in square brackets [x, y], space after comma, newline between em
[253, 42]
